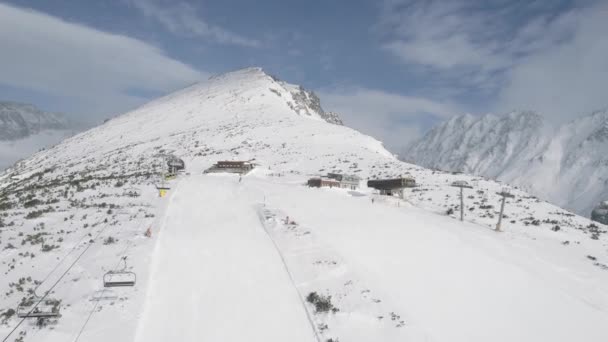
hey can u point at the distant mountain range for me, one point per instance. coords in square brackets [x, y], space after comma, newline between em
[20, 120]
[24, 129]
[565, 164]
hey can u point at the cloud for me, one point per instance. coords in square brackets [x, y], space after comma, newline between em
[544, 56]
[93, 70]
[394, 119]
[441, 35]
[181, 18]
[11, 151]
[565, 79]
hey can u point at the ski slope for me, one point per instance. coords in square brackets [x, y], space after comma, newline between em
[216, 275]
[454, 281]
[215, 269]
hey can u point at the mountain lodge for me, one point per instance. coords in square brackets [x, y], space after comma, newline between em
[231, 166]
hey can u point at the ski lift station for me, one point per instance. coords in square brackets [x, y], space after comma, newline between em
[175, 164]
[391, 186]
[335, 180]
[231, 166]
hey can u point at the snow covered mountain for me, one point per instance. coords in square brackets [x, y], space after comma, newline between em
[19, 120]
[567, 165]
[265, 258]
[24, 129]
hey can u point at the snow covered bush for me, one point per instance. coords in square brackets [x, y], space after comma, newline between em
[109, 240]
[321, 303]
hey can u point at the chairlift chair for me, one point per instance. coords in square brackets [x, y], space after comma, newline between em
[461, 184]
[122, 278]
[162, 184]
[47, 309]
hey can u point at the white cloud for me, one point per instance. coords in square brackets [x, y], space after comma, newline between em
[11, 151]
[392, 118]
[567, 78]
[46, 54]
[519, 55]
[440, 34]
[445, 53]
[181, 18]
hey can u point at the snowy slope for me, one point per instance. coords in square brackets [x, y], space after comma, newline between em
[566, 165]
[236, 277]
[223, 264]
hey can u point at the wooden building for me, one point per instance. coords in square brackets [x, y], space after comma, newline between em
[319, 182]
[231, 166]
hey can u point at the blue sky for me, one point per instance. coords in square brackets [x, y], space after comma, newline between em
[391, 68]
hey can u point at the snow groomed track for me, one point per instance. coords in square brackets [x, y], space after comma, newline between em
[215, 275]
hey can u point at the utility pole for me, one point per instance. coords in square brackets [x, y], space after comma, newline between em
[504, 195]
[461, 185]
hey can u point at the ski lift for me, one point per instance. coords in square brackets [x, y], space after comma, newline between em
[461, 184]
[122, 278]
[162, 190]
[104, 295]
[48, 308]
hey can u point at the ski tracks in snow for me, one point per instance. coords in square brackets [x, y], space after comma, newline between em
[355, 313]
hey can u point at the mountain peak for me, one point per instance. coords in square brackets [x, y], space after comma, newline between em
[255, 72]
[254, 84]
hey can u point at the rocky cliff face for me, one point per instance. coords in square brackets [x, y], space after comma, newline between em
[307, 103]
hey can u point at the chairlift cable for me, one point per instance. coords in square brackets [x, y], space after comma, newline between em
[59, 263]
[86, 322]
[54, 284]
